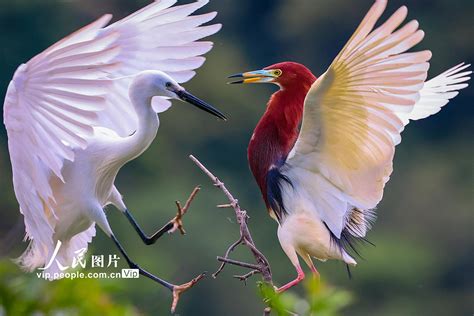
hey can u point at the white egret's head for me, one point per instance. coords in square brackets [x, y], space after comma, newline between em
[151, 83]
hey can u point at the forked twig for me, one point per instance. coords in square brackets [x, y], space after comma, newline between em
[238, 263]
[227, 253]
[244, 277]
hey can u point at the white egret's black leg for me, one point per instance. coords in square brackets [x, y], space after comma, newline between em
[174, 224]
[153, 238]
[143, 272]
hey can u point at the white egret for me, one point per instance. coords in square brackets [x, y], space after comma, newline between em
[81, 109]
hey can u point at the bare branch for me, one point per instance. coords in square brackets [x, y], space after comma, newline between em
[246, 276]
[262, 266]
[227, 253]
[225, 206]
[238, 263]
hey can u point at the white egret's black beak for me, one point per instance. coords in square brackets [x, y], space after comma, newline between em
[191, 99]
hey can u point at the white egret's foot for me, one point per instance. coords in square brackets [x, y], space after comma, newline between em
[180, 289]
[177, 221]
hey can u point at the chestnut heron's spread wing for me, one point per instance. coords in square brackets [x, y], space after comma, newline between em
[354, 114]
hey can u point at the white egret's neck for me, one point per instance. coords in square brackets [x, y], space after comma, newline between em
[148, 122]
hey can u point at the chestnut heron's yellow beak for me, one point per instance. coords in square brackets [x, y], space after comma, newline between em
[257, 76]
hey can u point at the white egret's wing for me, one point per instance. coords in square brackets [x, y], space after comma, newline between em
[55, 99]
[350, 126]
[157, 37]
[437, 92]
[49, 108]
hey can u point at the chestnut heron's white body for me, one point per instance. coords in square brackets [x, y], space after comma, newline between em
[322, 181]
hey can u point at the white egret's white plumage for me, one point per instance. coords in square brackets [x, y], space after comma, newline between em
[322, 182]
[78, 111]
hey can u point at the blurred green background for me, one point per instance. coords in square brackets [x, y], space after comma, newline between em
[423, 260]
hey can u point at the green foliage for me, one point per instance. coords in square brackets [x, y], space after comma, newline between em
[25, 294]
[320, 299]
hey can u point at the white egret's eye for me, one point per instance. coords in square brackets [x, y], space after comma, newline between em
[168, 84]
[277, 72]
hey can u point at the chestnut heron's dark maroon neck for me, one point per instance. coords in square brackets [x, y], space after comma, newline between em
[277, 131]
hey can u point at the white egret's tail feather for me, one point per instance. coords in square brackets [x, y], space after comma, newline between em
[33, 257]
[69, 250]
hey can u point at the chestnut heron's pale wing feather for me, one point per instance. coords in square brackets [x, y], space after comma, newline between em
[350, 124]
